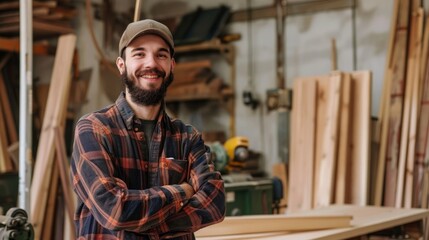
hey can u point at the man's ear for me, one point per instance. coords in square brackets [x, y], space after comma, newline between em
[173, 64]
[120, 63]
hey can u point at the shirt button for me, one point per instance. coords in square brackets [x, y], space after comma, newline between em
[136, 129]
[181, 204]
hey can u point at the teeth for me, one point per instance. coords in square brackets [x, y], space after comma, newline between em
[149, 76]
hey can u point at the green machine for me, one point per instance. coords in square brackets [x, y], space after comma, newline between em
[249, 197]
[245, 195]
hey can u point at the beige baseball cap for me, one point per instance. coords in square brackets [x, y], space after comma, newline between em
[146, 26]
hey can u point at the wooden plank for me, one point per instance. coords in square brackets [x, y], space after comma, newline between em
[425, 189]
[360, 138]
[56, 109]
[187, 72]
[8, 115]
[39, 27]
[14, 5]
[405, 127]
[388, 64]
[366, 220]
[383, 116]
[381, 161]
[334, 62]
[343, 160]
[415, 99]
[63, 166]
[5, 163]
[194, 91]
[273, 223]
[324, 188]
[7, 137]
[397, 91]
[13, 17]
[300, 196]
[291, 8]
[51, 208]
[12, 45]
[423, 125]
[321, 122]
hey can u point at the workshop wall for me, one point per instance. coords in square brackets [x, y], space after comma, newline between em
[308, 52]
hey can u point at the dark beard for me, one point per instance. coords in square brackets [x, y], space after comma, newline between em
[143, 96]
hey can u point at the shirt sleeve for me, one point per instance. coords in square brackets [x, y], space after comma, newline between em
[112, 204]
[207, 205]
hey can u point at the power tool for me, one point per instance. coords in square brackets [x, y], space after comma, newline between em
[237, 149]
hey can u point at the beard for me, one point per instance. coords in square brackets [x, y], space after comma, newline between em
[146, 97]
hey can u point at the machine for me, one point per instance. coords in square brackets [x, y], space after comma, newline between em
[15, 226]
[232, 156]
[245, 194]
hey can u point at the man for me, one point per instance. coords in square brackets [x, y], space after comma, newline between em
[138, 173]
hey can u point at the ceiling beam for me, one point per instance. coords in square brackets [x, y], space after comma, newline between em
[292, 9]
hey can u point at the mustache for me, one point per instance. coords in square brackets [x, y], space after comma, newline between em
[151, 71]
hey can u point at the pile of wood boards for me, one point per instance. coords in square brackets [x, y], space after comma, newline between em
[49, 19]
[330, 140]
[403, 175]
[194, 80]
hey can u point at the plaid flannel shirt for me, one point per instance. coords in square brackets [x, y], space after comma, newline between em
[122, 195]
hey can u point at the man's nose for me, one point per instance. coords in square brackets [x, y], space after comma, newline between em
[151, 61]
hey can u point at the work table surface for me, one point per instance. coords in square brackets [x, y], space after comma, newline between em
[366, 219]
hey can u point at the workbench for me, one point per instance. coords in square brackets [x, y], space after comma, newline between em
[366, 219]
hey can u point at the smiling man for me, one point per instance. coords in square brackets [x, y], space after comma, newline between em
[138, 173]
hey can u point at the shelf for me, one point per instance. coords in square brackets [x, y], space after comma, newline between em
[225, 94]
[203, 93]
[214, 45]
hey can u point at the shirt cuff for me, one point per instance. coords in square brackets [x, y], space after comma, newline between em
[182, 200]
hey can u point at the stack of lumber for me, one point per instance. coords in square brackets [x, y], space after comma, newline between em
[330, 140]
[194, 80]
[50, 19]
[403, 176]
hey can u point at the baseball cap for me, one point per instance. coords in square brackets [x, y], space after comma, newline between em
[146, 26]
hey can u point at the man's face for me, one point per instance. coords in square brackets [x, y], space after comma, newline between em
[147, 69]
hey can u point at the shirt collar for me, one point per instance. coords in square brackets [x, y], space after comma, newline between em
[125, 110]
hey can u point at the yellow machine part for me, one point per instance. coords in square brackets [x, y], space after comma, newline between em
[233, 143]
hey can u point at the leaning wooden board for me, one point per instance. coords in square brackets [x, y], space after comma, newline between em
[366, 219]
[55, 111]
[324, 185]
[274, 223]
[360, 137]
[303, 136]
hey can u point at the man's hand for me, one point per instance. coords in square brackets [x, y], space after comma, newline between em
[189, 190]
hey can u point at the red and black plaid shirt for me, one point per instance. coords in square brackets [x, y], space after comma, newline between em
[123, 195]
